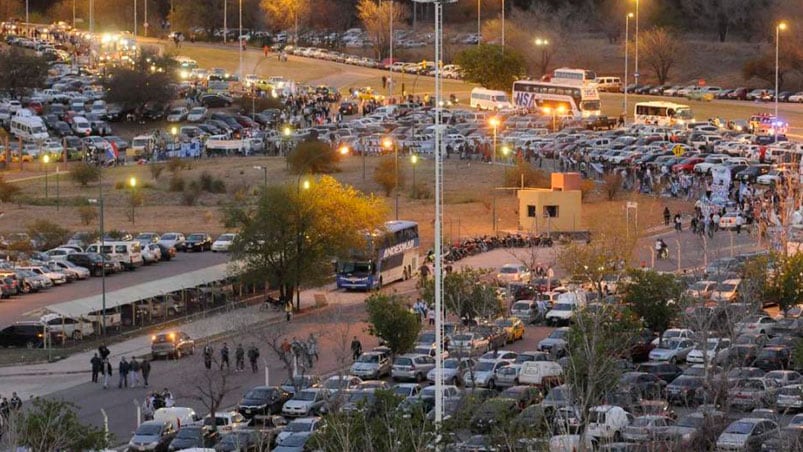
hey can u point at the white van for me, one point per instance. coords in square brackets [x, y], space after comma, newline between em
[541, 373]
[28, 127]
[177, 416]
[609, 84]
[128, 254]
[140, 145]
[488, 99]
[81, 126]
[566, 305]
[607, 422]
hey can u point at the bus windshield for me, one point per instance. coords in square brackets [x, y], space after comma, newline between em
[684, 113]
[355, 267]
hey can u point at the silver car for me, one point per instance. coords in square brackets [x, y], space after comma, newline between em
[412, 367]
[371, 366]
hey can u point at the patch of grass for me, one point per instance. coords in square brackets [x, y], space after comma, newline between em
[177, 183]
[460, 198]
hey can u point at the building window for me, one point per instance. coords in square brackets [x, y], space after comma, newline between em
[531, 211]
[551, 211]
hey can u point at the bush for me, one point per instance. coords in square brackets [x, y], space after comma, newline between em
[7, 190]
[47, 233]
[174, 166]
[612, 183]
[421, 191]
[88, 214]
[156, 171]
[84, 173]
[385, 174]
[177, 183]
[313, 157]
[211, 184]
[533, 177]
[586, 187]
[191, 194]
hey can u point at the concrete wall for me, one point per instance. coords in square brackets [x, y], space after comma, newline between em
[565, 208]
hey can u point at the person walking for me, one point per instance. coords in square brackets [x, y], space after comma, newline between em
[667, 216]
[96, 367]
[106, 368]
[123, 369]
[145, 367]
[208, 356]
[134, 372]
[356, 348]
[15, 403]
[288, 309]
[312, 347]
[253, 355]
[104, 352]
[224, 356]
[239, 358]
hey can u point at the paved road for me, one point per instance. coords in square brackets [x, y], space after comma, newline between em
[15, 308]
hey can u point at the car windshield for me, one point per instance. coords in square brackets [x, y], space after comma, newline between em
[403, 391]
[307, 396]
[189, 432]
[360, 396]
[297, 426]
[691, 421]
[463, 337]
[169, 237]
[770, 353]
[196, 237]
[148, 429]
[258, 393]
[711, 345]
[687, 380]
[669, 334]
[368, 359]
[557, 395]
[727, 287]
[740, 428]
[596, 417]
[563, 307]
[670, 344]
[504, 322]
[521, 306]
[426, 337]
[558, 334]
[509, 270]
[484, 366]
[294, 440]
[451, 364]
[699, 286]
[226, 238]
[336, 383]
[642, 422]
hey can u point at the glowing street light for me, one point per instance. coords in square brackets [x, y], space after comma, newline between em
[389, 145]
[414, 162]
[344, 150]
[45, 161]
[132, 182]
[494, 122]
[778, 28]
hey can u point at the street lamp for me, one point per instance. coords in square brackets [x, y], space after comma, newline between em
[627, 44]
[414, 161]
[389, 145]
[494, 122]
[636, 73]
[45, 161]
[542, 43]
[132, 182]
[265, 170]
[778, 28]
[503, 25]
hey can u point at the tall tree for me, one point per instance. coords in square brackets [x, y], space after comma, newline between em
[376, 17]
[467, 293]
[786, 285]
[313, 156]
[205, 15]
[661, 50]
[723, 16]
[148, 81]
[282, 14]
[290, 237]
[654, 297]
[491, 66]
[21, 70]
[390, 319]
[50, 424]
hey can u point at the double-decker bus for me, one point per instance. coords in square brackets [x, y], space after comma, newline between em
[572, 89]
[662, 113]
[391, 254]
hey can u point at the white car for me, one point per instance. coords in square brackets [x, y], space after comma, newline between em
[151, 253]
[67, 266]
[746, 434]
[196, 114]
[304, 424]
[69, 327]
[730, 220]
[453, 370]
[797, 97]
[607, 422]
[774, 176]
[227, 421]
[760, 324]
[60, 254]
[223, 242]
[513, 273]
[484, 374]
[177, 114]
[675, 333]
[672, 350]
[714, 346]
[56, 277]
[307, 402]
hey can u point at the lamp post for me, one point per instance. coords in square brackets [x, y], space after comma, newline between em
[494, 122]
[542, 43]
[503, 25]
[636, 73]
[389, 145]
[479, 22]
[627, 44]
[265, 171]
[240, 42]
[390, 66]
[225, 20]
[135, 18]
[778, 28]
[58, 197]
[132, 182]
[45, 161]
[414, 162]
[506, 151]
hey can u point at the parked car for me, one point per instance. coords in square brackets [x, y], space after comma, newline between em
[672, 350]
[607, 422]
[647, 428]
[198, 241]
[484, 374]
[746, 434]
[513, 273]
[453, 371]
[172, 344]
[194, 436]
[263, 401]
[752, 393]
[412, 367]
[223, 242]
[372, 365]
[173, 239]
[760, 324]
[152, 436]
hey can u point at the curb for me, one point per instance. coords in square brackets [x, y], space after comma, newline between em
[215, 337]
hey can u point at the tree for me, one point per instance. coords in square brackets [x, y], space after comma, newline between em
[661, 51]
[286, 13]
[786, 286]
[391, 320]
[491, 66]
[722, 16]
[51, 424]
[7, 190]
[653, 297]
[21, 71]
[290, 237]
[790, 61]
[376, 17]
[209, 386]
[47, 233]
[466, 294]
[313, 156]
[204, 15]
[388, 175]
[83, 173]
[150, 80]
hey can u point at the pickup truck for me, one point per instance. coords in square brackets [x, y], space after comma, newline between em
[600, 122]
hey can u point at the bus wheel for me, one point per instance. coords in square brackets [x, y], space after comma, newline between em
[406, 274]
[381, 283]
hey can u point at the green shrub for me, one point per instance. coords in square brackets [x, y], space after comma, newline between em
[177, 183]
[84, 173]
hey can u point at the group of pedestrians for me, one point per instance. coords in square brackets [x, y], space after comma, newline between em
[8, 406]
[300, 352]
[131, 372]
[155, 400]
[240, 354]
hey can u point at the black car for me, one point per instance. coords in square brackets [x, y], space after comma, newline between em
[263, 401]
[92, 262]
[22, 334]
[492, 413]
[154, 110]
[198, 241]
[348, 108]
[62, 129]
[215, 100]
[644, 384]
[152, 436]
[751, 173]
[242, 441]
[192, 436]
[664, 371]
[773, 358]
[683, 389]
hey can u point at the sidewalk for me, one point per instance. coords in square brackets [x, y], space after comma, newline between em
[45, 378]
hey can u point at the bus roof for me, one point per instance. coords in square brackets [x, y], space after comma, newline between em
[656, 103]
[398, 225]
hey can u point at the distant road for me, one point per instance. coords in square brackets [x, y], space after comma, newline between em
[15, 308]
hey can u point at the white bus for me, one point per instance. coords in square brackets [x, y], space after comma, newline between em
[662, 113]
[578, 100]
[28, 128]
[488, 99]
[391, 255]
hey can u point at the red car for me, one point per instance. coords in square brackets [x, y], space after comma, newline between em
[687, 166]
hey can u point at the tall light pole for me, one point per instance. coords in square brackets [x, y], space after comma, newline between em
[414, 161]
[390, 66]
[627, 44]
[45, 162]
[542, 43]
[636, 73]
[479, 22]
[27, 20]
[58, 197]
[132, 182]
[503, 25]
[494, 122]
[91, 16]
[145, 25]
[225, 19]
[778, 28]
[240, 42]
[135, 18]
[389, 145]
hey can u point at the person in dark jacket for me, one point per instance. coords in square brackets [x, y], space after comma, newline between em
[123, 369]
[145, 368]
[97, 365]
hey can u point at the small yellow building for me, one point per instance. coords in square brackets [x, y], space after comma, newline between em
[555, 209]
